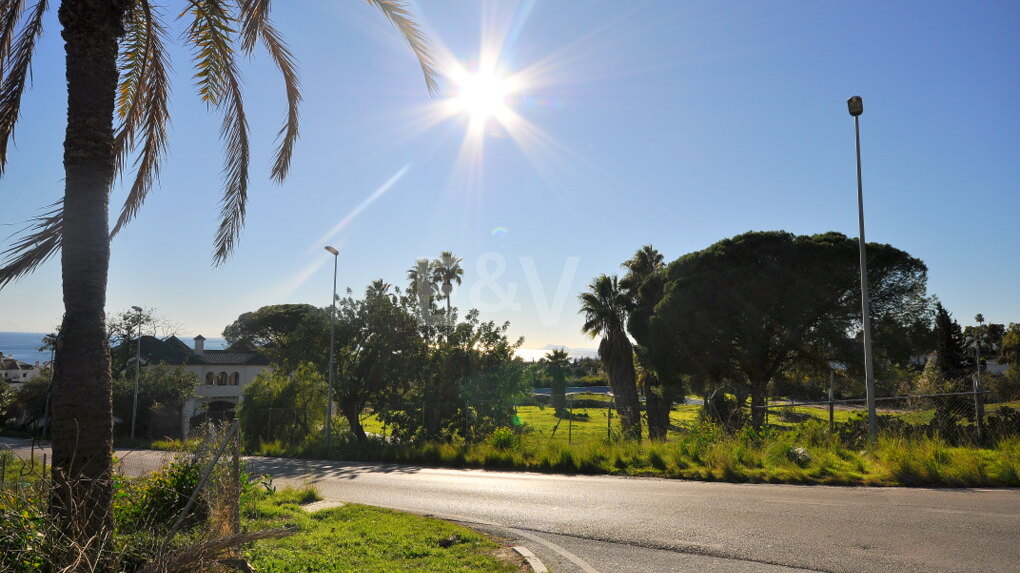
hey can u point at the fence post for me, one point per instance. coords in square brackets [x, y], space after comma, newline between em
[979, 407]
[832, 404]
[570, 419]
[609, 419]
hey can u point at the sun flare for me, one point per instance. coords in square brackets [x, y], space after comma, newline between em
[483, 95]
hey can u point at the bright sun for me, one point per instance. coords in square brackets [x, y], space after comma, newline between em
[483, 95]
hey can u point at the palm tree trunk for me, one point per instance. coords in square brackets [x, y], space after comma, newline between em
[81, 501]
[617, 355]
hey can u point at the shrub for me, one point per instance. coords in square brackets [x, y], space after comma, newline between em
[157, 500]
[504, 439]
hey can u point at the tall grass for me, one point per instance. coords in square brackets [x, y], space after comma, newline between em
[805, 455]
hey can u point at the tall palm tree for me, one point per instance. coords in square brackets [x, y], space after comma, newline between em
[605, 307]
[645, 262]
[447, 271]
[556, 363]
[423, 285]
[642, 284]
[116, 69]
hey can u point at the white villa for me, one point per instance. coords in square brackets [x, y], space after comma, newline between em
[17, 372]
[222, 375]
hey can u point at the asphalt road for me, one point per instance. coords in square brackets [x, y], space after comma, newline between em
[619, 525]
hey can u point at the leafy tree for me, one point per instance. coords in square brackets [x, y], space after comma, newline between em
[643, 284]
[287, 334]
[159, 386]
[1009, 348]
[6, 400]
[116, 67]
[122, 329]
[469, 386]
[285, 405]
[380, 353]
[747, 308]
[556, 364]
[605, 307]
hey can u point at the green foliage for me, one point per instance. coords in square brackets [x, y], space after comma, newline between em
[556, 364]
[748, 308]
[155, 501]
[159, 387]
[1009, 350]
[282, 406]
[287, 334]
[504, 439]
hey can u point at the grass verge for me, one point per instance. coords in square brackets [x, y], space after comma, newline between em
[357, 538]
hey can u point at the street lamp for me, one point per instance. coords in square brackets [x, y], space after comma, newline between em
[138, 370]
[332, 337]
[856, 108]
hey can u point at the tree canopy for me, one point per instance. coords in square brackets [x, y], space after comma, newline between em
[748, 307]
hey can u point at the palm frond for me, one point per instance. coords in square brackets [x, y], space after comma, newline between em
[396, 12]
[10, 13]
[255, 25]
[211, 33]
[219, 85]
[40, 240]
[234, 130]
[20, 58]
[142, 104]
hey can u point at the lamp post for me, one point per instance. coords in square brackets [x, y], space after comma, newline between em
[138, 370]
[856, 107]
[332, 338]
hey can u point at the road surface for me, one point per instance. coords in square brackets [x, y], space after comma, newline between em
[602, 524]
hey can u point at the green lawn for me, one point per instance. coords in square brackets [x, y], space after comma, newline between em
[358, 538]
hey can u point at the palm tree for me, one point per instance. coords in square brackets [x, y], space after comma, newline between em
[378, 288]
[116, 68]
[644, 291]
[556, 364]
[447, 270]
[605, 307]
[423, 285]
[645, 262]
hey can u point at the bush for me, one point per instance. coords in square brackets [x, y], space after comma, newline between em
[157, 500]
[504, 439]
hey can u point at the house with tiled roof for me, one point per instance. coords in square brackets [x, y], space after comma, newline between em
[222, 374]
[17, 372]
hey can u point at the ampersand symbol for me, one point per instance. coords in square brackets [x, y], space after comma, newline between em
[505, 299]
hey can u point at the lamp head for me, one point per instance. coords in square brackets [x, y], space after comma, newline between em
[856, 105]
[331, 250]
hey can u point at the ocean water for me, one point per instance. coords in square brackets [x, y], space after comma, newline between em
[24, 346]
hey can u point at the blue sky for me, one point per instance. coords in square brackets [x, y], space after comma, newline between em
[676, 124]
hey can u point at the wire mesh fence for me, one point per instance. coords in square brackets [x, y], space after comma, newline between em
[960, 405]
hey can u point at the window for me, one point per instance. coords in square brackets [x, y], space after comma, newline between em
[235, 379]
[221, 379]
[209, 379]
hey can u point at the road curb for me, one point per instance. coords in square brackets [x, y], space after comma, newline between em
[534, 562]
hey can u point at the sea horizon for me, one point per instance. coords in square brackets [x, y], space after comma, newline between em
[24, 346]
